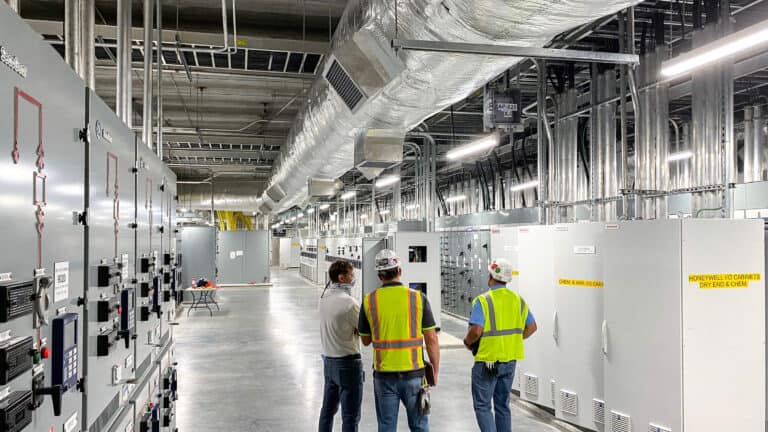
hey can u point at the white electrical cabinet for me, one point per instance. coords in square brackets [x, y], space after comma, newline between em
[537, 288]
[577, 324]
[419, 254]
[290, 252]
[684, 333]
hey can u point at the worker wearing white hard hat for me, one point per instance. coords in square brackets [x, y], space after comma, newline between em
[398, 321]
[499, 322]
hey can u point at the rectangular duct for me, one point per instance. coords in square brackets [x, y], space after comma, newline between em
[377, 150]
[275, 193]
[323, 188]
[360, 68]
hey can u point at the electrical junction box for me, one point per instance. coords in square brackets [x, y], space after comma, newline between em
[502, 109]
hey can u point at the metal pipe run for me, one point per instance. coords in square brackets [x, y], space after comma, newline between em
[87, 39]
[160, 60]
[540, 144]
[147, 114]
[124, 87]
[72, 46]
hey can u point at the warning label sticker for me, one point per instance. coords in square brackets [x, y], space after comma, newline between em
[723, 280]
[515, 273]
[581, 283]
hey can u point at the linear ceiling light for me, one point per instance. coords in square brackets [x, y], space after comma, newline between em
[683, 155]
[347, 195]
[523, 186]
[384, 212]
[455, 198]
[310, 211]
[387, 181]
[478, 146]
[411, 206]
[325, 207]
[727, 46]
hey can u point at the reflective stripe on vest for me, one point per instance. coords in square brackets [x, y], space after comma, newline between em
[492, 317]
[407, 338]
[502, 338]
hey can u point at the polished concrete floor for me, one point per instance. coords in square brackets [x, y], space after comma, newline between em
[255, 367]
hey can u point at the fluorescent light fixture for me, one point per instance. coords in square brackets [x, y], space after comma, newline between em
[310, 211]
[411, 206]
[478, 146]
[300, 215]
[253, 214]
[679, 156]
[728, 46]
[384, 212]
[364, 216]
[524, 186]
[325, 207]
[183, 210]
[455, 198]
[348, 194]
[387, 181]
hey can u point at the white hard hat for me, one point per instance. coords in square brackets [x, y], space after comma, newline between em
[386, 260]
[501, 270]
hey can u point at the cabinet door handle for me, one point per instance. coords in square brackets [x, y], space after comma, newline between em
[555, 334]
[605, 337]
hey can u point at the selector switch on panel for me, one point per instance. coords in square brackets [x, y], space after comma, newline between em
[105, 342]
[144, 312]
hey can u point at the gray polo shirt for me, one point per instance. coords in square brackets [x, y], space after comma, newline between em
[339, 313]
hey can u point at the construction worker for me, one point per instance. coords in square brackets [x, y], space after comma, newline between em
[342, 364]
[397, 319]
[499, 322]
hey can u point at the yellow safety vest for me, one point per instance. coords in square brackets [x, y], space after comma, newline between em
[395, 313]
[505, 314]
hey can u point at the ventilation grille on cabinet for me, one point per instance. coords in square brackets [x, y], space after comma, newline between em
[598, 411]
[341, 82]
[620, 422]
[656, 428]
[569, 402]
[531, 385]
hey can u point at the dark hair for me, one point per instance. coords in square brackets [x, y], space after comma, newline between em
[337, 269]
[389, 274]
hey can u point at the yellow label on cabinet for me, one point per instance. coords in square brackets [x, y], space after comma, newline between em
[515, 273]
[723, 280]
[581, 283]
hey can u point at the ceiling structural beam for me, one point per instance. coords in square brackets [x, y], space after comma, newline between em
[203, 71]
[195, 38]
[516, 51]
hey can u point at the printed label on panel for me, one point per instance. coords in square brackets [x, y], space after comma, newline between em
[724, 280]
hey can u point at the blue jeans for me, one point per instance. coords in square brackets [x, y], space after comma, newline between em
[343, 384]
[489, 387]
[389, 393]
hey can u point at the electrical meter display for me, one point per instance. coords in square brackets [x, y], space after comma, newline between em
[65, 350]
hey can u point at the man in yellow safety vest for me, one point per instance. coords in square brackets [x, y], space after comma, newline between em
[499, 322]
[397, 320]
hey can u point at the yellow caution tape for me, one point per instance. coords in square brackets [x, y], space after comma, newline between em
[581, 283]
[724, 280]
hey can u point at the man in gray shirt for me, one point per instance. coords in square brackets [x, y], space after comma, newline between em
[343, 366]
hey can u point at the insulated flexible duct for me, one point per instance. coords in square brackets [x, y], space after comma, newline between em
[321, 141]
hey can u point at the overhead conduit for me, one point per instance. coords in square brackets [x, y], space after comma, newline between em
[321, 141]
